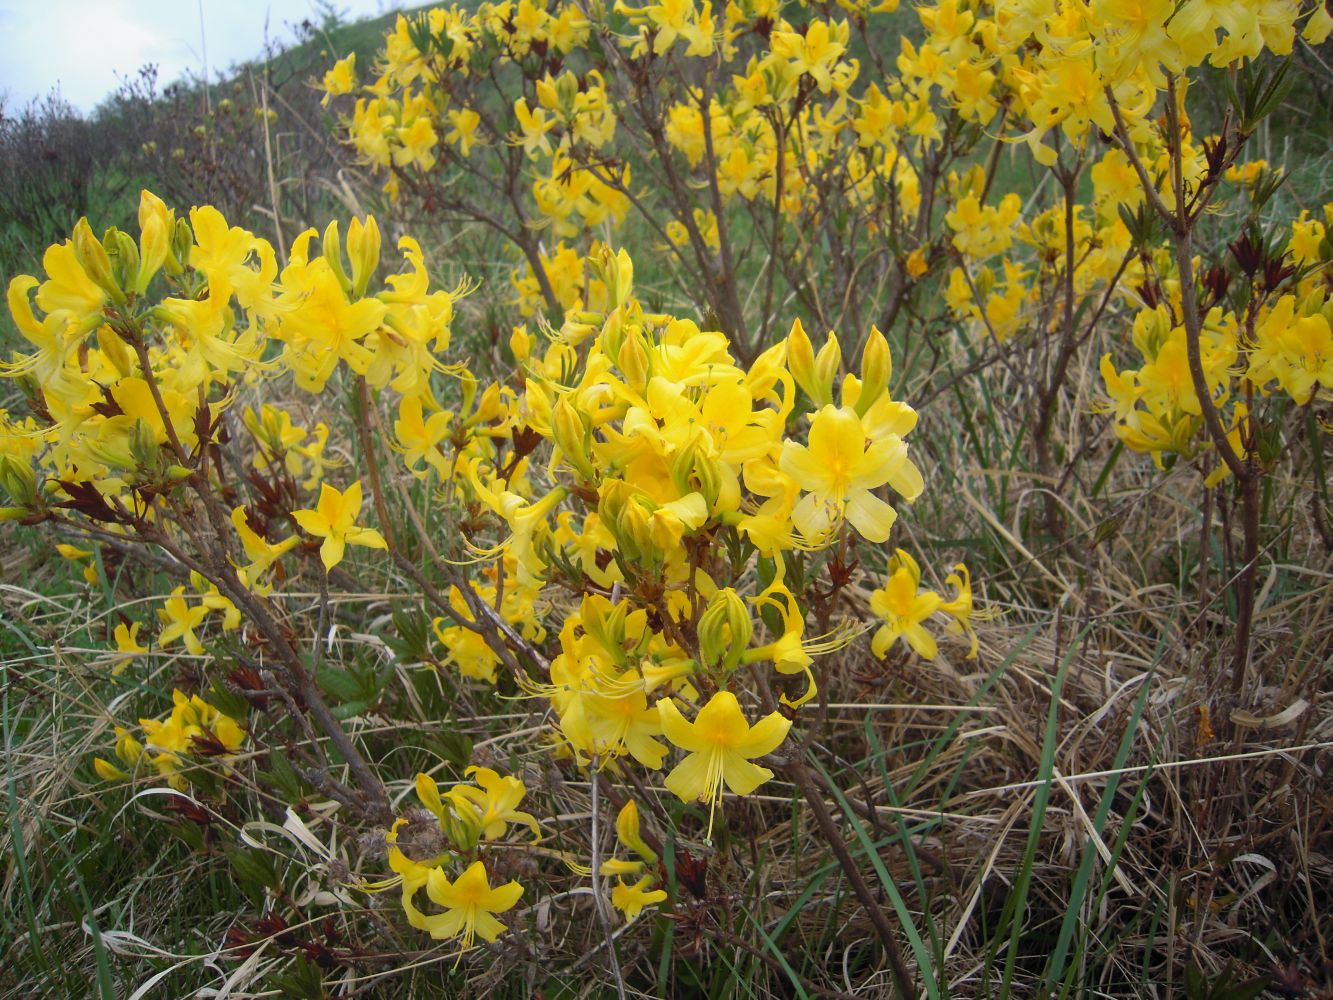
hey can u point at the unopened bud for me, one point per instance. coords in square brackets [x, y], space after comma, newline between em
[828, 363]
[634, 361]
[876, 370]
[627, 829]
[124, 254]
[143, 445]
[115, 351]
[571, 435]
[155, 232]
[18, 481]
[801, 361]
[333, 255]
[92, 257]
[182, 242]
[363, 248]
[724, 631]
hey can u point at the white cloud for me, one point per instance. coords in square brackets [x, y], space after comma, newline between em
[81, 45]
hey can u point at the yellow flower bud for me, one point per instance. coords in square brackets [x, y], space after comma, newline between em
[333, 254]
[634, 361]
[627, 829]
[92, 257]
[724, 631]
[18, 480]
[801, 361]
[124, 255]
[143, 445]
[571, 434]
[876, 370]
[182, 242]
[155, 232]
[108, 771]
[828, 363]
[363, 247]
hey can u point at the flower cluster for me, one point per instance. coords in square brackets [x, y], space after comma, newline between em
[1273, 339]
[637, 503]
[446, 835]
[194, 729]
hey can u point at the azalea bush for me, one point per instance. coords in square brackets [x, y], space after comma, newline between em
[644, 527]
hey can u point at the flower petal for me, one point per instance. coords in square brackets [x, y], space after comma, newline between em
[870, 515]
[766, 735]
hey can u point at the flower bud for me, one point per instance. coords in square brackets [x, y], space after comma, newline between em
[627, 829]
[571, 435]
[128, 749]
[613, 505]
[124, 255]
[567, 88]
[828, 363]
[724, 631]
[182, 242]
[116, 351]
[876, 370]
[143, 445]
[801, 361]
[520, 344]
[18, 481]
[634, 361]
[363, 247]
[607, 626]
[616, 272]
[92, 257]
[333, 255]
[155, 232]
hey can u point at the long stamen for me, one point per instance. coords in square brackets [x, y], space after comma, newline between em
[714, 785]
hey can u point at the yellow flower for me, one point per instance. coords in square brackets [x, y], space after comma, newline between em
[490, 807]
[127, 645]
[341, 79]
[181, 620]
[469, 904]
[334, 520]
[722, 746]
[838, 471]
[631, 899]
[261, 553]
[903, 609]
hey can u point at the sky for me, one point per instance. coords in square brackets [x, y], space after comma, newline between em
[81, 45]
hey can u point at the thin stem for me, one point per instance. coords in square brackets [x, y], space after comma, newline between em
[602, 916]
[800, 775]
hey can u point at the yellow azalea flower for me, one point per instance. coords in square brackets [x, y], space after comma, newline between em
[492, 806]
[904, 609]
[722, 746]
[837, 471]
[181, 620]
[631, 899]
[259, 551]
[469, 903]
[334, 520]
[341, 79]
[961, 608]
[419, 437]
[127, 645]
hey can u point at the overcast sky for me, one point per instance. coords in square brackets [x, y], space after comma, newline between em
[80, 45]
